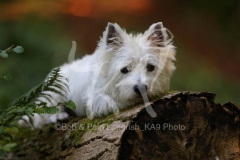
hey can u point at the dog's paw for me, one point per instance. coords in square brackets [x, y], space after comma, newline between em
[58, 116]
[36, 121]
[24, 122]
[39, 120]
[90, 114]
[101, 105]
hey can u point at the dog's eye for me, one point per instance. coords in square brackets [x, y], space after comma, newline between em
[150, 67]
[124, 70]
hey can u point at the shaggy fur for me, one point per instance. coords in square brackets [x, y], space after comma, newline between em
[104, 82]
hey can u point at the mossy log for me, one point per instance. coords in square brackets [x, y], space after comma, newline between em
[189, 125]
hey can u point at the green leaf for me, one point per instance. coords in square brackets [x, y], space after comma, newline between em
[30, 109]
[48, 110]
[21, 109]
[18, 49]
[51, 110]
[39, 110]
[8, 146]
[70, 104]
[7, 135]
[3, 54]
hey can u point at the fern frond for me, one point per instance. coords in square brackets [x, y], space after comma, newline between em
[48, 97]
[52, 89]
[61, 87]
[55, 83]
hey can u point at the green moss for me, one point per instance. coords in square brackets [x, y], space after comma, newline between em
[86, 124]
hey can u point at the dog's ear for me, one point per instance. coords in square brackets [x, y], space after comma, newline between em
[157, 34]
[113, 35]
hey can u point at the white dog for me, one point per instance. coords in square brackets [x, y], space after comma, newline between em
[122, 68]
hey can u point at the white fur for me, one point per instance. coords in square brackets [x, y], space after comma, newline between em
[96, 83]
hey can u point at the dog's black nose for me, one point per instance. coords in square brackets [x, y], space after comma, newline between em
[140, 89]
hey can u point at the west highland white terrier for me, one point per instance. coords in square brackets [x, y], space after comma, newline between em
[122, 68]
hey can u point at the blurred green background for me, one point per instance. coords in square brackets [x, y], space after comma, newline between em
[206, 35]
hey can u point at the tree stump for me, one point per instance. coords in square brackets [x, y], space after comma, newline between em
[189, 125]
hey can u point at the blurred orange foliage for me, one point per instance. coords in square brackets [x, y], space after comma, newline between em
[81, 8]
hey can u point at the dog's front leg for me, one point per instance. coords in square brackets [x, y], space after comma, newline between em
[101, 104]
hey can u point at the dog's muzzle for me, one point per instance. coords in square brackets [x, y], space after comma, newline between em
[140, 89]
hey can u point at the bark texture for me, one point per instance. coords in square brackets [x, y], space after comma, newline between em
[189, 125]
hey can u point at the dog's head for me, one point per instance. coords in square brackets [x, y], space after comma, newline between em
[134, 64]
